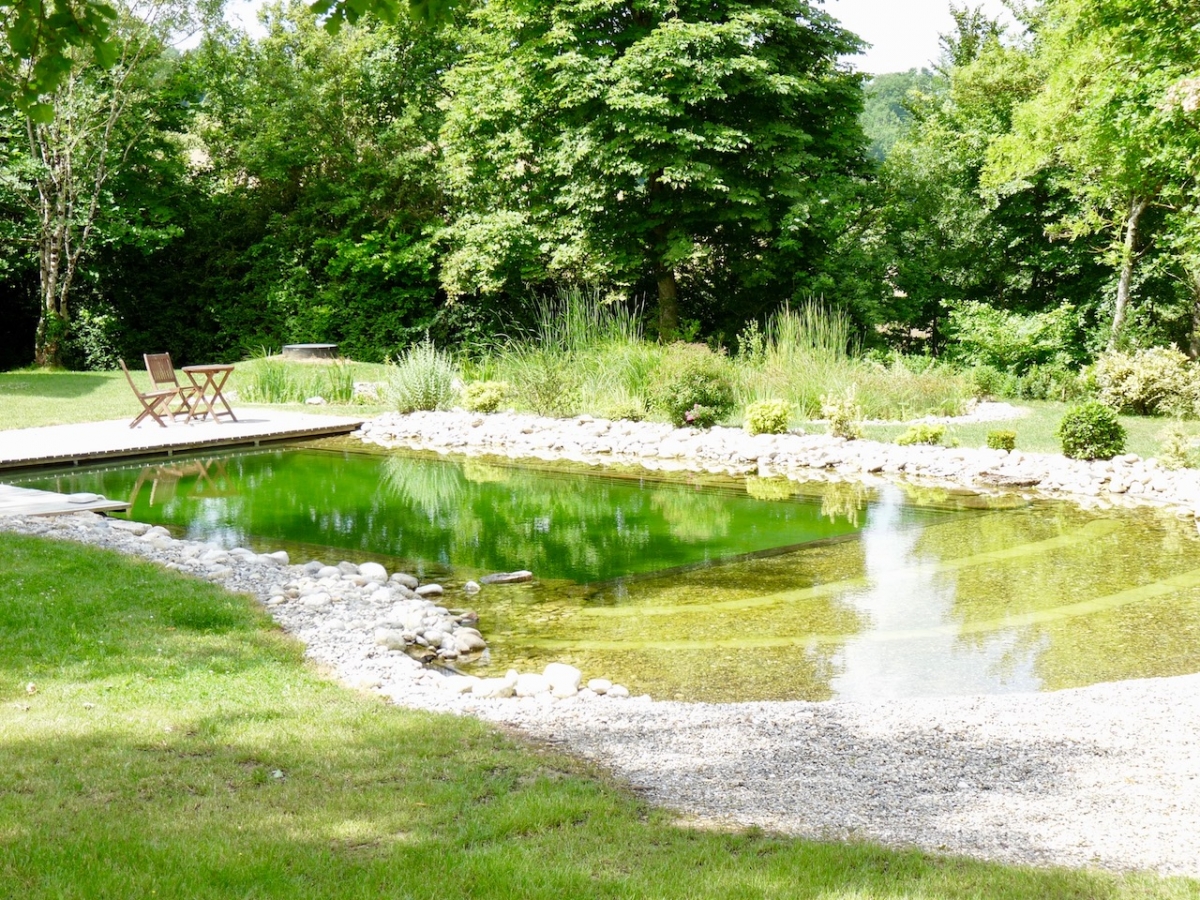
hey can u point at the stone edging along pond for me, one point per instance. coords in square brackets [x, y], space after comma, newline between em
[1126, 480]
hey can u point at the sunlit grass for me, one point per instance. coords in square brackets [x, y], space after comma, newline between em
[1036, 429]
[31, 398]
[161, 739]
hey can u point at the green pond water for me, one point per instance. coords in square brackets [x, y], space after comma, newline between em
[718, 589]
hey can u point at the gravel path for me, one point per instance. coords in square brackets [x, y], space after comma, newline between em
[1106, 776]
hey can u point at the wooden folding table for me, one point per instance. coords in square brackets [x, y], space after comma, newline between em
[209, 382]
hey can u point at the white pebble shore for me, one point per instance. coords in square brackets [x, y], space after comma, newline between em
[1106, 776]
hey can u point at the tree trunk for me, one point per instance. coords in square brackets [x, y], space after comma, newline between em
[1193, 347]
[1128, 256]
[664, 272]
[668, 304]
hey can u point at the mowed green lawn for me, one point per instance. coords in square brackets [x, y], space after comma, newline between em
[159, 737]
[29, 398]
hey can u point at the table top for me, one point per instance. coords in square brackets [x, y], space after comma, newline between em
[220, 367]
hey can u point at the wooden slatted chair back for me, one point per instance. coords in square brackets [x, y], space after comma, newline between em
[162, 374]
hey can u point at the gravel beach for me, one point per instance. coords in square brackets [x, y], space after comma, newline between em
[1106, 776]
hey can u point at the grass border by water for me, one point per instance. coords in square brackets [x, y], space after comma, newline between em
[162, 739]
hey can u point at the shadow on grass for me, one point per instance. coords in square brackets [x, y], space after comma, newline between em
[230, 769]
[375, 802]
[54, 385]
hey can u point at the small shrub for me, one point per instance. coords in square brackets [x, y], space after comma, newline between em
[700, 416]
[768, 417]
[988, 381]
[1157, 380]
[1002, 439]
[423, 379]
[485, 396]
[844, 415]
[546, 381]
[1049, 382]
[1177, 449]
[922, 433]
[693, 381]
[1091, 431]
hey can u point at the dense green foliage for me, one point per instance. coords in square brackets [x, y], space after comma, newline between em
[887, 108]
[768, 417]
[1091, 431]
[1024, 206]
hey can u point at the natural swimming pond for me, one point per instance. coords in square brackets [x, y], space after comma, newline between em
[717, 588]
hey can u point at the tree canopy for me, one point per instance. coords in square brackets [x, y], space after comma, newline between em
[370, 171]
[642, 144]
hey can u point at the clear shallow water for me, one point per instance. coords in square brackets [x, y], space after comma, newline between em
[721, 589]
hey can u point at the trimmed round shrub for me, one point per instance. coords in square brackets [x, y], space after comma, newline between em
[485, 396]
[768, 417]
[1091, 431]
[1002, 439]
[694, 386]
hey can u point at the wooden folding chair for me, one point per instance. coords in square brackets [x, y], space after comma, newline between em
[155, 404]
[162, 376]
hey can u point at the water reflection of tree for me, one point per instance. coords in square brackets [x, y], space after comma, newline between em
[845, 500]
[691, 514]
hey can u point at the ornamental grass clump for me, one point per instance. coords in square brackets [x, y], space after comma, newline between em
[768, 417]
[1091, 431]
[423, 379]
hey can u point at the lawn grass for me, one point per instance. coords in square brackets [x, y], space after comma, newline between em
[161, 738]
[32, 397]
[1036, 430]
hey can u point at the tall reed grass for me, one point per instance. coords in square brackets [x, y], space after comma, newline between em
[268, 379]
[810, 352]
[582, 355]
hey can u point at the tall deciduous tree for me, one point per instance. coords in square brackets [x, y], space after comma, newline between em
[320, 163]
[1104, 120]
[101, 116]
[632, 143]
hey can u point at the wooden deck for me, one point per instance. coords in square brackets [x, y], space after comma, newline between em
[19, 501]
[97, 442]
